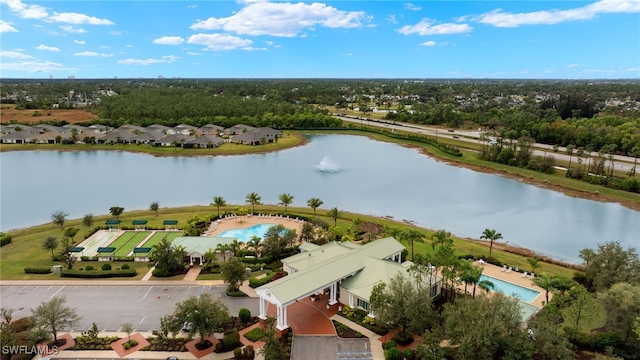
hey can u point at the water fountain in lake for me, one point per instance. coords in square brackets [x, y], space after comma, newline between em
[328, 166]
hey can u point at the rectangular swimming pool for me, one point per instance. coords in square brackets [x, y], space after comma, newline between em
[511, 289]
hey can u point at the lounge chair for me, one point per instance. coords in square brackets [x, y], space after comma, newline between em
[524, 274]
[509, 270]
[504, 268]
[532, 276]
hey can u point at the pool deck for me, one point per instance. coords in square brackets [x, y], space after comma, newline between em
[514, 278]
[219, 226]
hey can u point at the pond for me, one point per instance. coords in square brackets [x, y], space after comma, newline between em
[353, 173]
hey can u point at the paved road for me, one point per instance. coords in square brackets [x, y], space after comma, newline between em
[621, 163]
[110, 306]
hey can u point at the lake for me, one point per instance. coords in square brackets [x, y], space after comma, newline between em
[353, 173]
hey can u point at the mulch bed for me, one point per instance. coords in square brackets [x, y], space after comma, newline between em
[191, 346]
[118, 347]
[64, 342]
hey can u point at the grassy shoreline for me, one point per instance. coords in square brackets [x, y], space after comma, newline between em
[25, 249]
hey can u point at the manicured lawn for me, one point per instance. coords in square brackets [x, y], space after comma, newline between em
[125, 249]
[209, 277]
[122, 239]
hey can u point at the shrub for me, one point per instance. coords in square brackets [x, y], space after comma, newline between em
[37, 270]
[126, 346]
[133, 342]
[159, 272]
[237, 353]
[390, 345]
[231, 340]
[89, 268]
[106, 267]
[101, 274]
[249, 352]
[219, 347]
[408, 354]
[393, 354]
[4, 239]
[245, 315]
[403, 340]
[125, 267]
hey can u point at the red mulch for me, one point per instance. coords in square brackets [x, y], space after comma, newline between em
[417, 339]
[117, 346]
[191, 346]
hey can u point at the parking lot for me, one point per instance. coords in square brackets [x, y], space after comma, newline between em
[111, 306]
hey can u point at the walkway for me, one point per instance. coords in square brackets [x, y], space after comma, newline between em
[374, 339]
[192, 274]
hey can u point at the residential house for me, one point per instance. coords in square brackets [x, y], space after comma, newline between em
[204, 141]
[210, 129]
[182, 129]
[238, 129]
[261, 135]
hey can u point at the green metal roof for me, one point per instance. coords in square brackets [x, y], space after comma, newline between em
[141, 250]
[321, 275]
[112, 222]
[139, 222]
[76, 249]
[318, 255]
[200, 244]
[106, 249]
[170, 222]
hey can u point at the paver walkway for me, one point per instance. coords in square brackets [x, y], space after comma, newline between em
[193, 273]
[308, 317]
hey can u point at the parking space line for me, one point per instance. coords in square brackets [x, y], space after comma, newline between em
[56, 293]
[147, 293]
[142, 320]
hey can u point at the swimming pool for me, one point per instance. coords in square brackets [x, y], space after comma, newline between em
[510, 289]
[245, 234]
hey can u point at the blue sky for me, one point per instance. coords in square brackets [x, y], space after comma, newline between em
[330, 39]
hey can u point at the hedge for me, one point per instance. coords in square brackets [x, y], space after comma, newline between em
[37, 270]
[4, 239]
[99, 274]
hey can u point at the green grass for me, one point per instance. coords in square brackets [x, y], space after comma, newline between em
[122, 239]
[593, 318]
[158, 236]
[125, 249]
[209, 277]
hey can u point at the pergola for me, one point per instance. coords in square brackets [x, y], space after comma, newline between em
[170, 224]
[139, 224]
[113, 224]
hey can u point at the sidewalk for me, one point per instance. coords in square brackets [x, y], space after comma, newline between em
[377, 353]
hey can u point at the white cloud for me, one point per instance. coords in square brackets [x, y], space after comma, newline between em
[283, 19]
[79, 42]
[144, 62]
[6, 26]
[219, 41]
[92, 53]
[35, 66]
[412, 7]
[500, 18]
[129, 45]
[429, 43]
[117, 33]
[169, 40]
[193, 53]
[47, 48]
[392, 19]
[25, 11]
[76, 19]
[426, 27]
[14, 55]
[193, 6]
[71, 29]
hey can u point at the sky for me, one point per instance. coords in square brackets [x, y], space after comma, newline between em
[325, 39]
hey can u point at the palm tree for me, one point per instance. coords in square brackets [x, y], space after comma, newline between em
[533, 263]
[392, 231]
[286, 200]
[412, 236]
[441, 237]
[334, 214]
[314, 203]
[223, 248]
[491, 235]
[546, 282]
[235, 246]
[154, 207]
[254, 243]
[218, 201]
[253, 199]
[50, 243]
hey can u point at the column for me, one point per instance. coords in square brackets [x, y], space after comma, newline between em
[333, 291]
[400, 258]
[281, 323]
[263, 309]
[351, 300]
